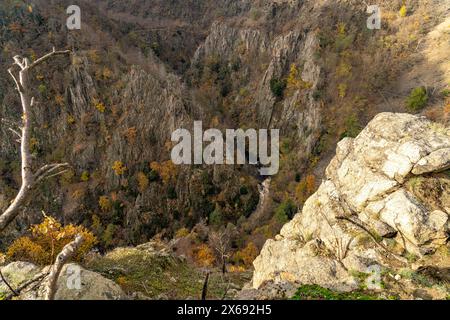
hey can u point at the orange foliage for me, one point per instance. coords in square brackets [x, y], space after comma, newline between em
[130, 134]
[59, 99]
[247, 255]
[142, 181]
[166, 170]
[16, 27]
[204, 256]
[305, 188]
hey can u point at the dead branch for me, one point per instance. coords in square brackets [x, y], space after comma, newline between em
[29, 179]
[15, 132]
[19, 86]
[37, 278]
[14, 292]
[67, 252]
[48, 56]
[372, 236]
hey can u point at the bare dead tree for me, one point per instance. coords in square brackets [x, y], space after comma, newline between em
[67, 252]
[220, 241]
[29, 178]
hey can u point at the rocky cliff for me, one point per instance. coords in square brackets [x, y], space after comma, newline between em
[385, 202]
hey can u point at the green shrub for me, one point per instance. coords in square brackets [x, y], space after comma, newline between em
[171, 192]
[315, 292]
[352, 127]
[285, 211]
[215, 218]
[277, 87]
[42, 89]
[417, 100]
[153, 175]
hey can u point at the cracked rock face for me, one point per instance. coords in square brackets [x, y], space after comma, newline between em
[370, 210]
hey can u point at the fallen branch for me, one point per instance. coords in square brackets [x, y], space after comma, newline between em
[372, 236]
[37, 278]
[67, 252]
[14, 292]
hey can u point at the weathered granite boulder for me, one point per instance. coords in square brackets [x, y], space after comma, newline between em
[74, 283]
[374, 208]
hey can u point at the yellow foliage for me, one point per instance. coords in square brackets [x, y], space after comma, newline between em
[34, 145]
[181, 233]
[344, 69]
[107, 73]
[166, 170]
[142, 181]
[70, 119]
[341, 28]
[104, 203]
[122, 281]
[204, 256]
[99, 105]
[119, 168]
[96, 224]
[47, 240]
[294, 80]
[403, 11]
[25, 249]
[85, 176]
[94, 56]
[235, 269]
[247, 255]
[342, 90]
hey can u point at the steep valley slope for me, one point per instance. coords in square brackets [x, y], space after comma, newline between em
[141, 69]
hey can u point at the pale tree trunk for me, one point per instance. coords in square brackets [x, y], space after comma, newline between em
[29, 179]
[67, 252]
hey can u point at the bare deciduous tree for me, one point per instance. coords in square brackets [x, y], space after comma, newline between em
[220, 241]
[29, 178]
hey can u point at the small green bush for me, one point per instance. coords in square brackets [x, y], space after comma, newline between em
[215, 218]
[285, 211]
[315, 292]
[171, 193]
[277, 87]
[417, 100]
[352, 127]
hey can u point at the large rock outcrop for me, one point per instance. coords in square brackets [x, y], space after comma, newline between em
[385, 201]
[91, 285]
